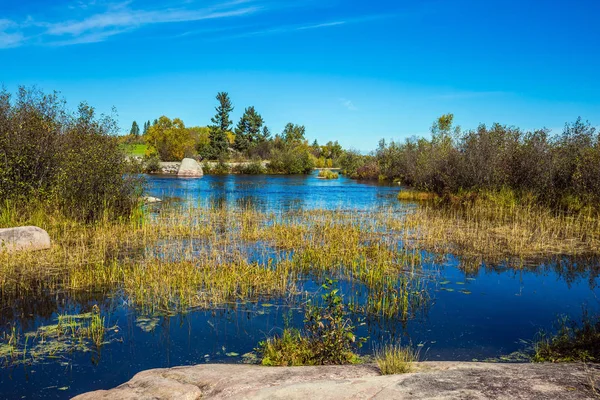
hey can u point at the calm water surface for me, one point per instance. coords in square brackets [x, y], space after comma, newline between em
[503, 307]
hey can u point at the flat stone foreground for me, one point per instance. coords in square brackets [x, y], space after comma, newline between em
[432, 380]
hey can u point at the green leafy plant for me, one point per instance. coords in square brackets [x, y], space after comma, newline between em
[328, 336]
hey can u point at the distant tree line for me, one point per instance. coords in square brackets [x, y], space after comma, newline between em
[561, 170]
[287, 152]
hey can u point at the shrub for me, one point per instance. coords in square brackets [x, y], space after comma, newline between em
[328, 337]
[561, 171]
[293, 160]
[152, 164]
[72, 160]
[254, 167]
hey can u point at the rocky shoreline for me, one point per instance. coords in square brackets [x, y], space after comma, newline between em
[431, 380]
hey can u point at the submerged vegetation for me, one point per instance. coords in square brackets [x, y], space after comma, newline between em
[71, 332]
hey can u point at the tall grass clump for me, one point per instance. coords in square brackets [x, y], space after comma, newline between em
[395, 359]
[63, 160]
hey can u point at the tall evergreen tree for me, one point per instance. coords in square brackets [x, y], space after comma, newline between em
[293, 133]
[265, 135]
[135, 129]
[221, 125]
[248, 130]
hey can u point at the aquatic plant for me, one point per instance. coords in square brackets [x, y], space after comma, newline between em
[327, 338]
[72, 332]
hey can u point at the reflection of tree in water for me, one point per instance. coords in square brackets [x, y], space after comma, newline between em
[25, 307]
[569, 269]
[251, 202]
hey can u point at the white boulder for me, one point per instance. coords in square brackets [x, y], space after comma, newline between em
[190, 168]
[25, 238]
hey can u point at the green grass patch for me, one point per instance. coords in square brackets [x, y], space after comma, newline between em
[134, 150]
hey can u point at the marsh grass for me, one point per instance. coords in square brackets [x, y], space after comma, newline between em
[182, 258]
[497, 232]
[177, 258]
[395, 359]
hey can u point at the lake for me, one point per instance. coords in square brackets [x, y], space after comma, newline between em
[484, 314]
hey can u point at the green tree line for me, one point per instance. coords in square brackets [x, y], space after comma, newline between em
[287, 152]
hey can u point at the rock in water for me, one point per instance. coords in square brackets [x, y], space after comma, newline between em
[190, 168]
[25, 238]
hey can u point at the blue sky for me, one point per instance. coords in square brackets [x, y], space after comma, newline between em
[355, 71]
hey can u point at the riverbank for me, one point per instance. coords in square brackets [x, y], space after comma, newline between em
[439, 380]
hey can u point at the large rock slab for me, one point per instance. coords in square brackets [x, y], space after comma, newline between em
[190, 168]
[432, 380]
[25, 238]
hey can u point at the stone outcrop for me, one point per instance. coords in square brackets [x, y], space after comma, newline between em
[432, 380]
[25, 238]
[190, 168]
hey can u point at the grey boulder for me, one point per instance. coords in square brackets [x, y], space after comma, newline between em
[190, 168]
[25, 238]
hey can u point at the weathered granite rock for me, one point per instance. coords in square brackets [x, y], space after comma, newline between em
[433, 380]
[190, 168]
[25, 238]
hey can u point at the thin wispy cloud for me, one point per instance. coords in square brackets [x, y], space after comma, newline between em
[304, 27]
[93, 21]
[99, 22]
[9, 35]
